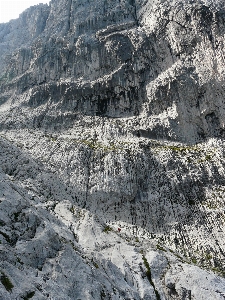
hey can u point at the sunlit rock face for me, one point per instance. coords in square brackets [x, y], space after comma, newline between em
[122, 59]
[112, 116]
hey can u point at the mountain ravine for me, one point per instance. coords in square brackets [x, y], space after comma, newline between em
[112, 151]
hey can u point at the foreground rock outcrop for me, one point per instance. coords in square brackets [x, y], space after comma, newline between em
[112, 116]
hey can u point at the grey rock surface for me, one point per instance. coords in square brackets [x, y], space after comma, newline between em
[112, 116]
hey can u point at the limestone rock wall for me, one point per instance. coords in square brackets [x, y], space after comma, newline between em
[112, 115]
[155, 58]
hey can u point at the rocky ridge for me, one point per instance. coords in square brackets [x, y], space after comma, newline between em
[112, 115]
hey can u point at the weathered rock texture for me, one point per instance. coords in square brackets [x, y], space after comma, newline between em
[112, 115]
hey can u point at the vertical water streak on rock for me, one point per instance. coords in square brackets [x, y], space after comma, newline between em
[69, 15]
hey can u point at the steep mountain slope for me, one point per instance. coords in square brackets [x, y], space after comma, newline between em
[112, 116]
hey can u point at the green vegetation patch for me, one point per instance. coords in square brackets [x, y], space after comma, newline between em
[208, 256]
[94, 264]
[149, 276]
[218, 271]
[6, 282]
[95, 145]
[194, 260]
[177, 148]
[107, 229]
[72, 210]
[159, 247]
[76, 212]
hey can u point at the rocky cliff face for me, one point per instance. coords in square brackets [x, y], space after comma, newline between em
[112, 116]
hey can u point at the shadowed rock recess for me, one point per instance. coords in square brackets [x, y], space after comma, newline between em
[112, 116]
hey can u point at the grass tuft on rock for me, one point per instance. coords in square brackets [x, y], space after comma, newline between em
[149, 276]
[6, 282]
[107, 229]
